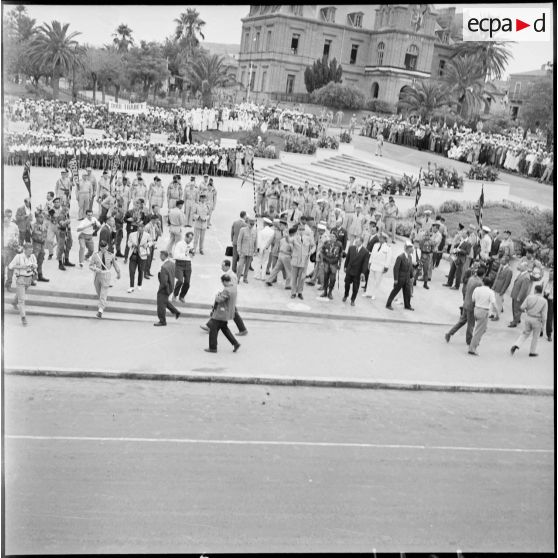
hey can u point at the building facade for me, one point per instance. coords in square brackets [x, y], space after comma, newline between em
[382, 49]
[521, 84]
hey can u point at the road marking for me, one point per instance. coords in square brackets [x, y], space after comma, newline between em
[272, 443]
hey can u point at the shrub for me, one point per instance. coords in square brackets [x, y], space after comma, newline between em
[450, 206]
[328, 142]
[375, 105]
[405, 227]
[497, 125]
[340, 96]
[440, 177]
[483, 172]
[539, 226]
[321, 73]
[345, 137]
[300, 144]
[421, 210]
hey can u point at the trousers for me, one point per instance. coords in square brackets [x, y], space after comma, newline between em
[220, 325]
[481, 323]
[353, 280]
[102, 289]
[405, 286]
[134, 264]
[426, 262]
[374, 282]
[199, 237]
[162, 304]
[283, 265]
[244, 263]
[531, 327]
[183, 273]
[467, 317]
[260, 264]
[85, 241]
[298, 275]
[330, 272]
[64, 245]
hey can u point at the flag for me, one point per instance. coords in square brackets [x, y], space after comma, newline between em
[480, 205]
[27, 176]
[418, 195]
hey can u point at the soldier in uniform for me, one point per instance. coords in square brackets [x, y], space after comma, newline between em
[332, 252]
[201, 216]
[63, 188]
[93, 180]
[427, 247]
[190, 199]
[356, 227]
[211, 196]
[84, 195]
[155, 194]
[349, 209]
[64, 239]
[261, 192]
[174, 192]
[38, 238]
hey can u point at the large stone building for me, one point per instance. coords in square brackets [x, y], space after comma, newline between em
[382, 49]
[521, 85]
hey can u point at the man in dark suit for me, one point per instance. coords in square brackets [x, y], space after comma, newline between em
[166, 285]
[235, 231]
[461, 253]
[107, 233]
[520, 290]
[356, 263]
[501, 283]
[403, 277]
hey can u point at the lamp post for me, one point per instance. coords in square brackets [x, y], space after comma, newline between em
[250, 71]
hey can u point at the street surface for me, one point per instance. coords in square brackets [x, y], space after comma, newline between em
[131, 466]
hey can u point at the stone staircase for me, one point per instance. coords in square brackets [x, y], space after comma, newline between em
[338, 169]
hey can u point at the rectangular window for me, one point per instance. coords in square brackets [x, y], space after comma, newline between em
[327, 47]
[290, 84]
[296, 9]
[268, 43]
[328, 14]
[354, 50]
[253, 79]
[294, 43]
[242, 78]
[264, 79]
[410, 61]
[441, 68]
[257, 43]
[247, 41]
[355, 19]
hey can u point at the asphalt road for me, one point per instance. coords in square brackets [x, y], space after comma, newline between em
[129, 466]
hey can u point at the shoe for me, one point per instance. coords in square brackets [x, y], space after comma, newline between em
[61, 267]
[177, 315]
[125, 260]
[293, 296]
[513, 349]
[99, 314]
[236, 347]
[119, 255]
[287, 288]
[344, 299]
[389, 307]
[446, 285]
[159, 324]
[205, 328]
[147, 277]
[330, 296]
[269, 284]
[210, 350]
[201, 252]
[426, 286]
[131, 290]
[43, 279]
[243, 332]
[512, 325]
[495, 319]
[533, 354]
[455, 288]
[245, 281]
[24, 323]
[409, 308]
[67, 263]
[181, 299]
[33, 283]
[473, 353]
[80, 264]
[311, 283]
[139, 287]
[323, 295]
[300, 296]
[549, 338]
[352, 302]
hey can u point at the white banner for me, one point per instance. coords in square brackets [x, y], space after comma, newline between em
[129, 108]
[229, 143]
[18, 127]
[93, 133]
[159, 138]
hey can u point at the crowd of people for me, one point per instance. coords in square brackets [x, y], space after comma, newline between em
[515, 151]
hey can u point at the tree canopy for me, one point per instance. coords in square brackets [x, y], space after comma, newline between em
[321, 73]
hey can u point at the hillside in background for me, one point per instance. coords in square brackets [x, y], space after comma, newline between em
[221, 48]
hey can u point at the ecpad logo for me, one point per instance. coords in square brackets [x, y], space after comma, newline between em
[507, 24]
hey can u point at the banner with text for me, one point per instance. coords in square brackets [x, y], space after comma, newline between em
[129, 108]
[159, 138]
[93, 133]
[227, 143]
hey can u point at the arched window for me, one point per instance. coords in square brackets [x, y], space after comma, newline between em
[411, 58]
[375, 90]
[381, 48]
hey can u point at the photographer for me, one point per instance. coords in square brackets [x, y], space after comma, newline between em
[88, 226]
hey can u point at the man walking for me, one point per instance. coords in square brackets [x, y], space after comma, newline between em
[460, 254]
[484, 302]
[38, 237]
[246, 247]
[85, 229]
[201, 217]
[24, 265]
[380, 260]
[263, 248]
[235, 230]
[139, 243]
[332, 252]
[176, 221]
[520, 290]
[101, 263]
[402, 277]
[223, 310]
[182, 255]
[356, 263]
[391, 213]
[535, 307]
[283, 260]
[501, 283]
[303, 245]
[166, 284]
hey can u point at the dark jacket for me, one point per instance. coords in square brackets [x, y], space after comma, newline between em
[356, 263]
[521, 287]
[373, 240]
[402, 269]
[166, 278]
[225, 304]
[502, 281]
[107, 234]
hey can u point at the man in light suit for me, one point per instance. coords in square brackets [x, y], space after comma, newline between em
[520, 291]
[356, 263]
[201, 218]
[402, 277]
[166, 284]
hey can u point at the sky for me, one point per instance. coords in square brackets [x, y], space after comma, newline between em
[223, 25]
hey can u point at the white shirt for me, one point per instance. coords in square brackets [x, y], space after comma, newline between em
[86, 226]
[264, 237]
[181, 251]
[483, 297]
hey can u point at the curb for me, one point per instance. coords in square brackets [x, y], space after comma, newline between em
[283, 381]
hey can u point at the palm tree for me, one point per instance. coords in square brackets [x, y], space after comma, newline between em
[123, 38]
[493, 56]
[465, 80]
[188, 27]
[57, 51]
[205, 74]
[425, 98]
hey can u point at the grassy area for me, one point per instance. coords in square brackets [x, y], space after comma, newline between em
[500, 218]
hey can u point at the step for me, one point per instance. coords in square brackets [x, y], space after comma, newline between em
[354, 171]
[359, 166]
[296, 176]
